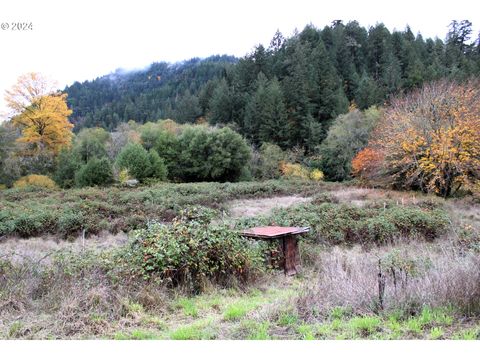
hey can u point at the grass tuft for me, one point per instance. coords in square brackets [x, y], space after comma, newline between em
[365, 325]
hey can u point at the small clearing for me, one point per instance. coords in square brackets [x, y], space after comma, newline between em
[254, 207]
[41, 248]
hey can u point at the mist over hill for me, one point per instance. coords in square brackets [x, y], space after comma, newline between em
[162, 90]
[287, 93]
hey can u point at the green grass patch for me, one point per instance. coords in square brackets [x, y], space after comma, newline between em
[287, 319]
[188, 307]
[136, 335]
[154, 321]
[254, 330]
[414, 326]
[469, 334]
[339, 313]
[201, 330]
[235, 311]
[15, 330]
[436, 333]
[240, 309]
[306, 332]
[365, 325]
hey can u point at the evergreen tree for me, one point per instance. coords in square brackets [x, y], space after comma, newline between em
[68, 163]
[158, 169]
[96, 172]
[295, 89]
[220, 104]
[135, 159]
[274, 127]
[368, 92]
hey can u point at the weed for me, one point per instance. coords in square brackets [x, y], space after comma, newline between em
[97, 318]
[436, 333]
[395, 328]
[195, 331]
[336, 324]
[259, 331]
[426, 317]
[324, 331]
[15, 330]
[414, 326]
[338, 312]
[470, 334]
[154, 321]
[235, 311]
[365, 325]
[287, 319]
[135, 335]
[189, 307]
[306, 332]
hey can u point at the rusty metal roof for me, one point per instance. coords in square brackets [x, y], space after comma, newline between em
[274, 231]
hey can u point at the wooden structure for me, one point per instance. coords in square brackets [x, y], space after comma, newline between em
[288, 243]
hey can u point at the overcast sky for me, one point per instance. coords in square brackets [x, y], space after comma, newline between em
[80, 40]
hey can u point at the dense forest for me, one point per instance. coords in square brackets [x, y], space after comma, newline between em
[287, 93]
[161, 91]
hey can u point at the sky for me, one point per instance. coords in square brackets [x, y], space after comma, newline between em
[81, 40]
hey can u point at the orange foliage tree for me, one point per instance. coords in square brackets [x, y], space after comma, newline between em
[41, 114]
[429, 139]
[367, 164]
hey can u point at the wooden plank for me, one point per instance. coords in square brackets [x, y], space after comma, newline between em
[292, 255]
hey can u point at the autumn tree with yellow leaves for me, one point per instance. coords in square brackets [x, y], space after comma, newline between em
[429, 139]
[41, 113]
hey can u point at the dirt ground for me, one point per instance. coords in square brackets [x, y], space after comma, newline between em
[254, 207]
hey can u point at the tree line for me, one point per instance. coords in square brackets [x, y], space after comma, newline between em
[287, 93]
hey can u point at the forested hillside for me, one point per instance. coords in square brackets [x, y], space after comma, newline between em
[162, 90]
[286, 93]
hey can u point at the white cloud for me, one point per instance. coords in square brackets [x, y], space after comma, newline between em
[84, 39]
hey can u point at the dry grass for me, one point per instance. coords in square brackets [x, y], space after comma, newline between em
[254, 207]
[425, 275]
[43, 247]
[71, 297]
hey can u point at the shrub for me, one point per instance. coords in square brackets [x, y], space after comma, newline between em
[191, 250]
[39, 181]
[125, 209]
[36, 223]
[208, 154]
[94, 172]
[158, 169]
[348, 135]
[367, 164]
[294, 171]
[91, 143]
[429, 138]
[134, 158]
[68, 163]
[266, 163]
[70, 222]
[124, 176]
[149, 133]
[167, 146]
[316, 175]
[340, 223]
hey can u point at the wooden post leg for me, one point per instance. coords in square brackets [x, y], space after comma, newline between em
[292, 255]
